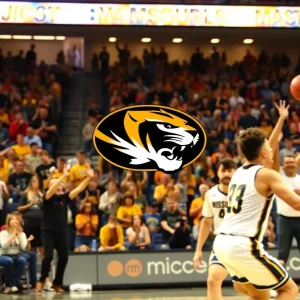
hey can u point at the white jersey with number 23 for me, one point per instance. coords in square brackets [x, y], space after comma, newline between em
[248, 211]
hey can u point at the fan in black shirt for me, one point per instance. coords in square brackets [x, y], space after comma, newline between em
[54, 227]
[18, 181]
[43, 170]
[45, 127]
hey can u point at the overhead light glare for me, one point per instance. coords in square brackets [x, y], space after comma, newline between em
[215, 41]
[177, 40]
[146, 40]
[112, 39]
[248, 41]
[44, 37]
[22, 37]
[60, 38]
[5, 37]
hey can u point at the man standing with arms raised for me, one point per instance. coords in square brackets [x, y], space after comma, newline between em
[54, 226]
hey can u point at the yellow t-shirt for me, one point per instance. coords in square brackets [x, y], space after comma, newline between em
[87, 230]
[4, 118]
[3, 175]
[78, 174]
[125, 212]
[57, 175]
[161, 190]
[8, 167]
[22, 150]
[195, 204]
[112, 237]
[192, 180]
[267, 130]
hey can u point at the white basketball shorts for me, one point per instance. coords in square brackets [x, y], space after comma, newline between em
[247, 262]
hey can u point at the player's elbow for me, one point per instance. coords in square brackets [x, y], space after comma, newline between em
[296, 205]
[207, 221]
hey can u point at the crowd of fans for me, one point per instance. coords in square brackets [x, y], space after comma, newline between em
[225, 99]
[32, 98]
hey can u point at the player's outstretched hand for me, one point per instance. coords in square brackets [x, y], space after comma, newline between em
[283, 110]
[197, 260]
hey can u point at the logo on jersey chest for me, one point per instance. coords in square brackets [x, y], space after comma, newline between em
[220, 204]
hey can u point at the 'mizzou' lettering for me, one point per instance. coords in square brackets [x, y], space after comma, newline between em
[220, 204]
[175, 267]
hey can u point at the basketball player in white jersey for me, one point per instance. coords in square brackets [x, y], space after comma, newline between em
[214, 209]
[238, 246]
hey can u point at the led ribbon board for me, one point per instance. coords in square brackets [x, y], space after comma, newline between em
[148, 15]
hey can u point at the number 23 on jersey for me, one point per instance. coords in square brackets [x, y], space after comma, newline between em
[235, 198]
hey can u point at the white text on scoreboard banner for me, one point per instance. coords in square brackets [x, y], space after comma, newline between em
[148, 15]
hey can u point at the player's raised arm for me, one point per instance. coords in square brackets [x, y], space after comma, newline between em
[276, 161]
[83, 184]
[283, 111]
[270, 180]
[56, 183]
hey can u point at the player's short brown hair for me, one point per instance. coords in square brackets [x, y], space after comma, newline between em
[227, 163]
[250, 142]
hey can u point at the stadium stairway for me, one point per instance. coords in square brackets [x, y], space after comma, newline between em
[84, 88]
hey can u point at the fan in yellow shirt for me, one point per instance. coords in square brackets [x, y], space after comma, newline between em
[78, 171]
[60, 170]
[21, 148]
[111, 236]
[265, 127]
[127, 210]
[3, 170]
[197, 204]
[4, 116]
[166, 189]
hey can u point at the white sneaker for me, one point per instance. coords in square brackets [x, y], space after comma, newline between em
[47, 287]
[273, 294]
[14, 290]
